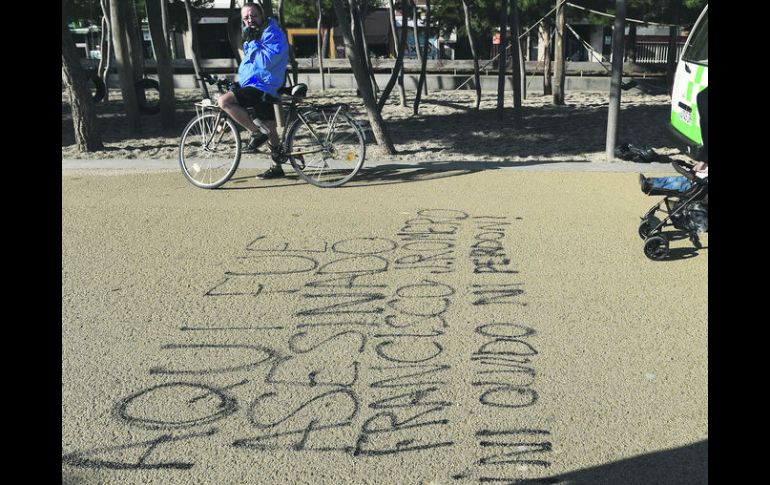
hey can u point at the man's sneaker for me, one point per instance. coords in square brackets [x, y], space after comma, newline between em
[257, 140]
[273, 172]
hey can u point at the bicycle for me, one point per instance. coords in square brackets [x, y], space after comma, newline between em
[324, 144]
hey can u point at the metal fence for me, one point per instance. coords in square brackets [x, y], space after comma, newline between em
[654, 52]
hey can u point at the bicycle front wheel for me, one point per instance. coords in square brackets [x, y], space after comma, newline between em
[326, 148]
[209, 151]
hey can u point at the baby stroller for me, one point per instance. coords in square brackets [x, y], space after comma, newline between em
[685, 211]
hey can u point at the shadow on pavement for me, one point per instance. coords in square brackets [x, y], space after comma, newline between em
[687, 465]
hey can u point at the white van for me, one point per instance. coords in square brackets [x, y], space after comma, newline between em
[691, 79]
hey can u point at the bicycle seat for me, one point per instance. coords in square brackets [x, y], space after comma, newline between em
[298, 90]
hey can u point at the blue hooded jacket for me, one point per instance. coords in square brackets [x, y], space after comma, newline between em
[264, 60]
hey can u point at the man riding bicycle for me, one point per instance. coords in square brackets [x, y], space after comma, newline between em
[261, 73]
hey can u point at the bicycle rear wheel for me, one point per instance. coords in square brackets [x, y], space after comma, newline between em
[326, 150]
[209, 151]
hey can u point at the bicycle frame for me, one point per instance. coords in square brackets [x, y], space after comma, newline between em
[295, 113]
[200, 109]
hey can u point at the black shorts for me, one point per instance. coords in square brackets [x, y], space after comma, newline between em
[259, 100]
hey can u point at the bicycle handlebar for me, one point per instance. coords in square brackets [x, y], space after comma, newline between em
[223, 85]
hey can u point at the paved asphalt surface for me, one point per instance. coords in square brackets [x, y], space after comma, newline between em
[454, 326]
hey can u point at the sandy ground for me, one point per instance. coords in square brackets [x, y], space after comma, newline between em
[456, 327]
[447, 127]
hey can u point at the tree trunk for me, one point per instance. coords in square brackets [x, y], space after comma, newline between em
[123, 65]
[325, 43]
[618, 33]
[360, 17]
[516, 63]
[292, 59]
[234, 32]
[502, 59]
[167, 29]
[84, 121]
[523, 67]
[399, 46]
[354, 53]
[547, 88]
[416, 17]
[423, 82]
[106, 48]
[321, 47]
[398, 69]
[559, 71]
[135, 45]
[193, 26]
[165, 69]
[631, 43]
[476, 77]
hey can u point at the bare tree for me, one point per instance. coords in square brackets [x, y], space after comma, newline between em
[476, 77]
[546, 33]
[361, 12]
[503, 58]
[399, 45]
[559, 71]
[354, 53]
[292, 60]
[135, 45]
[516, 63]
[415, 18]
[321, 46]
[105, 43]
[87, 135]
[618, 32]
[165, 69]
[398, 69]
[423, 69]
[123, 65]
[631, 43]
[192, 25]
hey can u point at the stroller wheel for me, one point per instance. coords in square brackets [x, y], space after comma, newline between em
[656, 247]
[648, 223]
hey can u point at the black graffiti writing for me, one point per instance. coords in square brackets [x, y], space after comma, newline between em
[384, 350]
[261, 408]
[264, 353]
[169, 399]
[311, 373]
[386, 433]
[356, 304]
[90, 458]
[294, 341]
[263, 243]
[235, 286]
[514, 446]
[513, 388]
[406, 380]
[364, 245]
[297, 440]
[506, 294]
[409, 399]
[340, 406]
[272, 264]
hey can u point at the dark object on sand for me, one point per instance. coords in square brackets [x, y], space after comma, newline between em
[638, 153]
